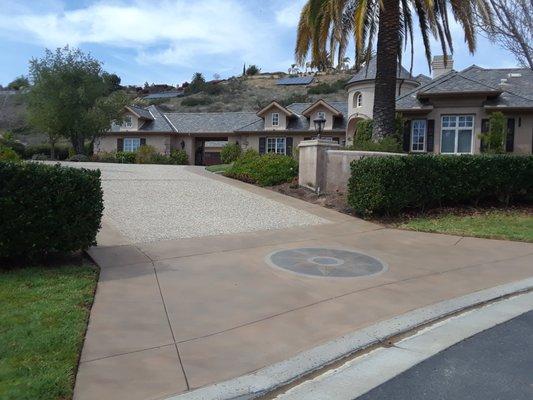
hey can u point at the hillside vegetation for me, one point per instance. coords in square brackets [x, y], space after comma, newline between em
[249, 93]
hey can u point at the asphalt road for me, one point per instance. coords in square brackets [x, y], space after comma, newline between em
[496, 364]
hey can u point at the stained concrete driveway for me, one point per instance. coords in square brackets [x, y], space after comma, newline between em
[173, 315]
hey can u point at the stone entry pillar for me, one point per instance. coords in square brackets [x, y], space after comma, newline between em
[312, 163]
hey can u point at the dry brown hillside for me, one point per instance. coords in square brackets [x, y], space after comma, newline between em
[253, 93]
[236, 94]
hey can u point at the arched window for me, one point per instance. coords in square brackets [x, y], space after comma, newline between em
[358, 99]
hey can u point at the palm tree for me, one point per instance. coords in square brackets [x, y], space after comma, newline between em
[391, 21]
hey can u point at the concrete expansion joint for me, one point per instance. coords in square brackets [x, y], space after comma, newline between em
[288, 373]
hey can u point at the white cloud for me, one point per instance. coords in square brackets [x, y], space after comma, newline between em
[289, 15]
[179, 29]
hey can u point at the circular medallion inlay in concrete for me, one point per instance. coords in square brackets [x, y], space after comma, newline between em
[326, 262]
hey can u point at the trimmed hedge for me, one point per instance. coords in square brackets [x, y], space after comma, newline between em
[266, 170]
[389, 185]
[47, 210]
[61, 151]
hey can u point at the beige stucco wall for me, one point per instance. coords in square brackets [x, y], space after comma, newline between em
[473, 106]
[251, 141]
[108, 142]
[282, 120]
[366, 88]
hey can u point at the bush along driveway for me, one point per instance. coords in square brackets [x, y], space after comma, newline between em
[48, 214]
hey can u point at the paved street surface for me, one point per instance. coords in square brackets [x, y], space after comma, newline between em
[179, 313]
[493, 365]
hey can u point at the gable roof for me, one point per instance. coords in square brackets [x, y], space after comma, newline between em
[273, 104]
[318, 103]
[140, 112]
[368, 72]
[457, 83]
[300, 123]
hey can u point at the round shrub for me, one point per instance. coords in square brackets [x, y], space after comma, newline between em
[14, 145]
[125, 157]
[266, 170]
[230, 152]
[145, 154]
[8, 154]
[179, 157]
[47, 210]
[106, 157]
[79, 158]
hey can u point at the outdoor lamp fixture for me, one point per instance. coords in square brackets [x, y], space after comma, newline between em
[182, 144]
[319, 126]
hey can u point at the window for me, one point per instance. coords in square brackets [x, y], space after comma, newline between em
[457, 134]
[276, 145]
[128, 123]
[358, 100]
[321, 115]
[275, 119]
[418, 135]
[131, 144]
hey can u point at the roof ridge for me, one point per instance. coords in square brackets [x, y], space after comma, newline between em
[434, 82]
[208, 112]
[498, 88]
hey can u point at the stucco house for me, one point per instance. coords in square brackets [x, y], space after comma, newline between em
[447, 113]
[275, 128]
[443, 114]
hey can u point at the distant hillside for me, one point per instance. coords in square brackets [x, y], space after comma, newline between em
[253, 93]
[237, 94]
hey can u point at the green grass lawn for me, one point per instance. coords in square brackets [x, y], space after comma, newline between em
[496, 224]
[220, 168]
[43, 318]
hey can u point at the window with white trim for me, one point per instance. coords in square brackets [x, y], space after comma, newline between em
[276, 145]
[457, 134]
[275, 119]
[131, 144]
[418, 135]
[358, 99]
[321, 115]
[127, 123]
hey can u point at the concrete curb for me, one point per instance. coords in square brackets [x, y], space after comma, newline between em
[272, 377]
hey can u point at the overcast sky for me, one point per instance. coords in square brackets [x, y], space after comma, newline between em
[167, 41]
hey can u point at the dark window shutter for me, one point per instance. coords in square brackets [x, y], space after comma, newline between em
[120, 144]
[485, 127]
[288, 146]
[407, 136]
[143, 141]
[262, 145]
[430, 135]
[509, 138]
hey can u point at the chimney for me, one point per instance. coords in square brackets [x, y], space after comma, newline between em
[440, 66]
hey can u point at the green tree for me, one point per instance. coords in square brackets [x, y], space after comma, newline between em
[197, 84]
[19, 83]
[68, 97]
[252, 70]
[493, 140]
[112, 81]
[326, 25]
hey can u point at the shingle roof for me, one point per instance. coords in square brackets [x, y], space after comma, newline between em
[159, 122]
[511, 87]
[368, 72]
[297, 80]
[299, 122]
[224, 122]
[142, 112]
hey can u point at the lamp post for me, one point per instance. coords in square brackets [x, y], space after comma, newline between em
[319, 126]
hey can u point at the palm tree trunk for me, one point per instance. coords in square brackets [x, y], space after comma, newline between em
[386, 70]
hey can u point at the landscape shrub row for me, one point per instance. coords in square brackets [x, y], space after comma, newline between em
[264, 170]
[47, 210]
[389, 185]
[144, 155]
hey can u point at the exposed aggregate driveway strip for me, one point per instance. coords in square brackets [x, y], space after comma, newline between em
[148, 203]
